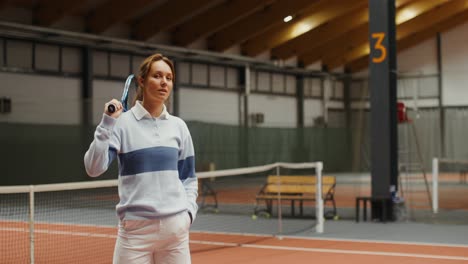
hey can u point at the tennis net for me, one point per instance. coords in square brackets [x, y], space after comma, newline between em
[58, 223]
[76, 222]
[449, 180]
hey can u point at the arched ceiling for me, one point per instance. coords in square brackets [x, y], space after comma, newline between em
[331, 32]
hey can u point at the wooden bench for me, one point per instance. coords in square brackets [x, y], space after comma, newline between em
[295, 188]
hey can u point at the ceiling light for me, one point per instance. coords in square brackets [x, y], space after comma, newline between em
[405, 15]
[300, 28]
[287, 19]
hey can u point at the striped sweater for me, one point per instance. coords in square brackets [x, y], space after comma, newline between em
[156, 163]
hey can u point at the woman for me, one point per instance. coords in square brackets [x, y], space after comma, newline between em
[157, 182]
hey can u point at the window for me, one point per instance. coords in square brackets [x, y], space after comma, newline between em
[19, 54]
[47, 57]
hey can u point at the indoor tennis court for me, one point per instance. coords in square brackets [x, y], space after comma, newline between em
[81, 224]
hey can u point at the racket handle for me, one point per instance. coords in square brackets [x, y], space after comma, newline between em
[111, 108]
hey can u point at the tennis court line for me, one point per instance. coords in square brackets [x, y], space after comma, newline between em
[287, 248]
[335, 251]
[335, 239]
[380, 241]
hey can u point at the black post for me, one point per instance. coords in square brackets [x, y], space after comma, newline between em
[382, 81]
[300, 100]
[175, 94]
[244, 131]
[347, 98]
[86, 100]
[301, 153]
[348, 112]
[439, 89]
[87, 87]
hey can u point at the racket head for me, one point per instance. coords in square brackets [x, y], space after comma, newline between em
[130, 92]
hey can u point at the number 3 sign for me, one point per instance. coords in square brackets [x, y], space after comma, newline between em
[379, 47]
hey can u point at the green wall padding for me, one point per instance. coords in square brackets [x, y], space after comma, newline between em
[41, 154]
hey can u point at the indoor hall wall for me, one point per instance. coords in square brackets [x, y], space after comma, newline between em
[313, 100]
[208, 93]
[418, 60]
[39, 99]
[273, 94]
[455, 66]
[42, 140]
[422, 59]
[211, 106]
[417, 82]
[313, 108]
[417, 75]
[278, 110]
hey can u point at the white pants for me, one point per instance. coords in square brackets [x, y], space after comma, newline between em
[161, 241]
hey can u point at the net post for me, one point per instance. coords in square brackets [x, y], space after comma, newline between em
[319, 199]
[435, 185]
[31, 223]
[280, 213]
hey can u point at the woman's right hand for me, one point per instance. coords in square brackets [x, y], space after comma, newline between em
[117, 106]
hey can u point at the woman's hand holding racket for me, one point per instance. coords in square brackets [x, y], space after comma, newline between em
[113, 108]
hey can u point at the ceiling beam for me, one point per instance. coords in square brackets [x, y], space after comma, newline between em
[410, 19]
[349, 29]
[167, 16]
[113, 12]
[416, 38]
[339, 44]
[321, 13]
[321, 34]
[402, 3]
[256, 23]
[17, 3]
[216, 19]
[50, 11]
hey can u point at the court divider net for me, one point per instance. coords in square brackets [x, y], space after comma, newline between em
[449, 176]
[77, 223]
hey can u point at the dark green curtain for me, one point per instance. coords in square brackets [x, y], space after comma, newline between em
[40, 154]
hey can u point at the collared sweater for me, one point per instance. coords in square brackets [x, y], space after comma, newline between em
[156, 163]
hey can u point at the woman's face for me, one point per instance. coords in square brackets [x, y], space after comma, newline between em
[158, 83]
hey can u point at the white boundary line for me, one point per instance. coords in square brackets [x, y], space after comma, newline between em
[380, 241]
[338, 239]
[271, 247]
[335, 251]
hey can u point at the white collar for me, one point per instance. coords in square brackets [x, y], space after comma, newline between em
[140, 112]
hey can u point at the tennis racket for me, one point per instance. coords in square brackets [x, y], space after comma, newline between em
[128, 95]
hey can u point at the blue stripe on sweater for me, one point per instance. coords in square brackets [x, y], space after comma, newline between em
[112, 154]
[148, 160]
[186, 168]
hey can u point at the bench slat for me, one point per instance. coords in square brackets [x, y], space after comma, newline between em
[286, 188]
[287, 197]
[303, 179]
